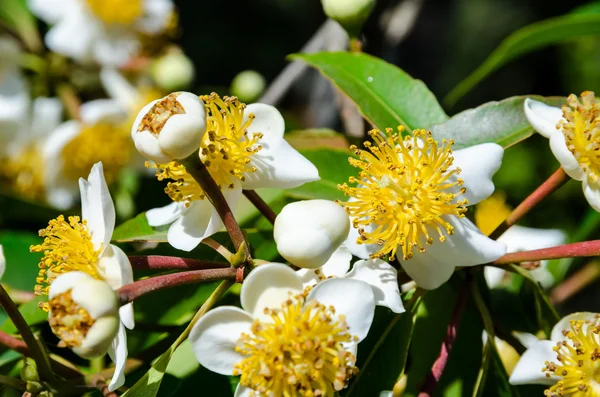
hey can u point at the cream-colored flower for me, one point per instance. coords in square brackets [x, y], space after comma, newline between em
[83, 245]
[243, 148]
[104, 31]
[283, 342]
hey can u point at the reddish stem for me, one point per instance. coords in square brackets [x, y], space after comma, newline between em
[433, 377]
[132, 291]
[261, 205]
[583, 249]
[578, 281]
[157, 262]
[552, 184]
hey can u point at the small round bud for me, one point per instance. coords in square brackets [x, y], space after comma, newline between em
[248, 86]
[173, 71]
[83, 313]
[308, 232]
[170, 128]
[29, 372]
[351, 14]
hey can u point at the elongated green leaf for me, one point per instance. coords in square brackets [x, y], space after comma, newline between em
[138, 229]
[528, 39]
[21, 265]
[15, 15]
[386, 95]
[501, 122]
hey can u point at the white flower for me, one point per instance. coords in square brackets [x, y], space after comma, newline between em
[105, 31]
[76, 145]
[409, 194]
[2, 262]
[84, 313]
[574, 135]
[243, 148]
[576, 341]
[337, 313]
[520, 238]
[84, 245]
[170, 128]
[310, 235]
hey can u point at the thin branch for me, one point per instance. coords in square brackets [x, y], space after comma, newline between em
[261, 205]
[132, 291]
[578, 281]
[556, 180]
[220, 248]
[574, 250]
[158, 262]
[35, 349]
[13, 382]
[70, 100]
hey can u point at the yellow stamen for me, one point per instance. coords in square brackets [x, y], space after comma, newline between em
[24, 173]
[578, 359]
[117, 11]
[491, 212]
[69, 321]
[226, 150]
[403, 191]
[104, 142]
[299, 353]
[67, 247]
[582, 132]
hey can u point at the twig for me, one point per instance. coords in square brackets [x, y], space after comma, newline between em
[13, 382]
[574, 250]
[260, 205]
[70, 100]
[158, 262]
[578, 281]
[35, 349]
[433, 377]
[556, 180]
[132, 291]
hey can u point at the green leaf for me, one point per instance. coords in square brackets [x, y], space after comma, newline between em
[31, 313]
[525, 40]
[333, 169]
[501, 122]
[16, 16]
[138, 229]
[149, 384]
[21, 265]
[386, 95]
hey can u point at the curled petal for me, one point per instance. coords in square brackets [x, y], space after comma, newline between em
[543, 118]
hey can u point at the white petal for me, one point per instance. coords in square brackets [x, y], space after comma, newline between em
[243, 391]
[118, 88]
[351, 298]
[383, 278]
[338, 264]
[115, 46]
[50, 11]
[99, 337]
[67, 281]
[115, 268]
[308, 276]
[520, 238]
[156, 16]
[466, 247]
[2, 262]
[47, 113]
[165, 215]
[493, 276]
[543, 118]
[147, 144]
[61, 197]
[267, 121]
[564, 156]
[529, 368]
[214, 338]
[478, 164]
[100, 208]
[182, 134]
[95, 296]
[118, 354]
[73, 35]
[58, 139]
[526, 338]
[102, 110]
[268, 286]
[592, 194]
[565, 324]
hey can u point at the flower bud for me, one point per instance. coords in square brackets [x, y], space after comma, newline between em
[248, 86]
[83, 313]
[29, 372]
[308, 232]
[351, 14]
[173, 71]
[170, 128]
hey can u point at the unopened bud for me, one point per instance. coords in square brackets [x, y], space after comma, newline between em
[29, 371]
[170, 128]
[351, 14]
[308, 232]
[173, 71]
[248, 86]
[83, 313]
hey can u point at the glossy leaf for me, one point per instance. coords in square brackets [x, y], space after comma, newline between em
[385, 95]
[138, 229]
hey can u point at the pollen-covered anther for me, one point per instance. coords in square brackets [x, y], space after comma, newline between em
[154, 120]
[581, 128]
[69, 322]
[404, 189]
[299, 352]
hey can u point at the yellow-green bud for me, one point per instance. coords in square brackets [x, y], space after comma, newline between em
[248, 86]
[351, 14]
[173, 71]
[29, 371]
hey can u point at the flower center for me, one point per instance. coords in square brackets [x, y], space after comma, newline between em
[226, 150]
[404, 189]
[104, 142]
[69, 321]
[578, 359]
[491, 212]
[24, 173]
[582, 132]
[300, 353]
[116, 11]
[67, 247]
[155, 119]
